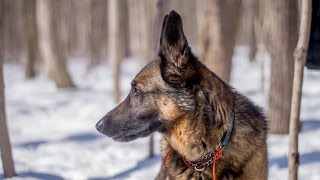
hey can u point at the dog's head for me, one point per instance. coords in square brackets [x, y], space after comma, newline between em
[161, 92]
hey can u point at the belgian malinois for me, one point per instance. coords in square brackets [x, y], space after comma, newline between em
[209, 130]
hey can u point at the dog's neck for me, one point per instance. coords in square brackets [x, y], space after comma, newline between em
[189, 143]
[212, 115]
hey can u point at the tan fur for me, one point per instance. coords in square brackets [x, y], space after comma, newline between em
[168, 109]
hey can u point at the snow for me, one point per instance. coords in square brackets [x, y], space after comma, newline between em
[54, 137]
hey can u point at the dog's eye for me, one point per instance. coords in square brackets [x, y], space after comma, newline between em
[134, 90]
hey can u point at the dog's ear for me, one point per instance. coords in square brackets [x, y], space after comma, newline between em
[174, 49]
[173, 42]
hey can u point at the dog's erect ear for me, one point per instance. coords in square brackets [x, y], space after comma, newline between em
[174, 51]
[173, 43]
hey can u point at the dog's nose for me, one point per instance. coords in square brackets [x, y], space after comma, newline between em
[100, 125]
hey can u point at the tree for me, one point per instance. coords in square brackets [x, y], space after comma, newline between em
[300, 54]
[5, 147]
[13, 30]
[77, 21]
[142, 17]
[257, 26]
[280, 37]
[252, 13]
[96, 28]
[31, 41]
[52, 41]
[218, 35]
[116, 41]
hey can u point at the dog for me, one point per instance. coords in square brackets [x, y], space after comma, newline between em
[209, 130]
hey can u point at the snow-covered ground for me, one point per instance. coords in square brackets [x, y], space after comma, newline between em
[54, 137]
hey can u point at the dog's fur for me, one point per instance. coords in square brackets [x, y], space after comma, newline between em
[179, 97]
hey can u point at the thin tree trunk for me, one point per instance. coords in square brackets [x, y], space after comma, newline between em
[151, 146]
[96, 28]
[142, 17]
[31, 40]
[134, 31]
[77, 26]
[149, 20]
[262, 72]
[74, 44]
[93, 36]
[13, 30]
[5, 146]
[261, 50]
[116, 42]
[218, 36]
[52, 43]
[252, 14]
[300, 54]
[280, 37]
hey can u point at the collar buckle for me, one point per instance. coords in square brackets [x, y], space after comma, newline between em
[221, 146]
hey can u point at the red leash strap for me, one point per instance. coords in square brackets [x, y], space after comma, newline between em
[185, 162]
[166, 157]
[217, 156]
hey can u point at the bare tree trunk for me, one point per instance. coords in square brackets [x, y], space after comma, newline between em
[93, 36]
[280, 37]
[252, 13]
[78, 21]
[218, 36]
[13, 30]
[262, 72]
[30, 27]
[96, 28]
[149, 9]
[52, 43]
[257, 30]
[300, 54]
[116, 42]
[5, 146]
[125, 29]
[142, 17]
[74, 43]
[245, 32]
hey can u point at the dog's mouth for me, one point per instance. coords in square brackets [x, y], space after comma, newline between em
[126, 136]
[129, 131]
[123, 137]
